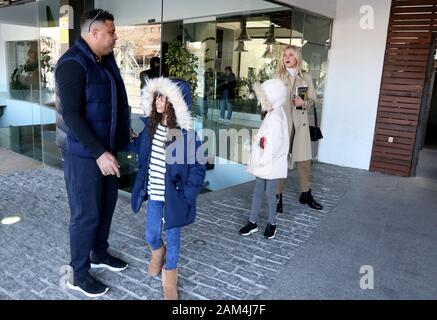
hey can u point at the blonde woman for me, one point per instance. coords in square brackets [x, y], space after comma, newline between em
[291, 73]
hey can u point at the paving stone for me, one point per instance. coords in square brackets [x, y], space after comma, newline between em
[29, 280]
[28, 295]
[56, 294]
[212, 294]
[227, 266]
[4, 296]
[235, 292]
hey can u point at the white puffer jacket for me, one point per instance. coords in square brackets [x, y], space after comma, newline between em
[271, 162]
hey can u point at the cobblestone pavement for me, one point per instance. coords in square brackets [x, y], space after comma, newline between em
[216, 262]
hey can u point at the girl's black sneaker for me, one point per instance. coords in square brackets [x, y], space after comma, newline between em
[249, 229]
[270, 232]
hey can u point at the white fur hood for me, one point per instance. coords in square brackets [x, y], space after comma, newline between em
[178, 93]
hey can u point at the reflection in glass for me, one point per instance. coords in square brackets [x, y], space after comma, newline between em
[317, 30]
[248, 39]
[23, 67]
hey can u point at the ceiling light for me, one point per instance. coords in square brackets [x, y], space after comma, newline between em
[241, 47]
[271, 39]
[244, 36]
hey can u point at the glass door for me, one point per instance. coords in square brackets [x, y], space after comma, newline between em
[200, 39]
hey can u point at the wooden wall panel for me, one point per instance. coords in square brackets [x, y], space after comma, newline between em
[409, 45]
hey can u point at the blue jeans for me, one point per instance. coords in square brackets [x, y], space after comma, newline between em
[155, 213]
[225, 102]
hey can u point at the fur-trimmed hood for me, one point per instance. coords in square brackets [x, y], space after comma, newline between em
[272, 94]
[178, 93]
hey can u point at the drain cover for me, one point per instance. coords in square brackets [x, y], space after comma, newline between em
[200, 242]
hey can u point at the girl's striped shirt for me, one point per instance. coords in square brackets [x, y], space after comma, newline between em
[156, 185]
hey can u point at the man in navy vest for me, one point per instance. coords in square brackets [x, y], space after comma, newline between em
[93, 124]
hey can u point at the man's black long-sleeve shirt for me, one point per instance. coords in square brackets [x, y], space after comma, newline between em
[71, 82]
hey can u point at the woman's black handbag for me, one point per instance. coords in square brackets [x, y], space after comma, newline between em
[315, 132]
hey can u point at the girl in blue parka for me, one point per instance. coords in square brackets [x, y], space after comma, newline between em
[171, 174]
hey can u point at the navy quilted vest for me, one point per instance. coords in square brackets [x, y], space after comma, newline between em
[102, 90]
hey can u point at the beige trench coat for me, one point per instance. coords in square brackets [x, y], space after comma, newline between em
[298, 120]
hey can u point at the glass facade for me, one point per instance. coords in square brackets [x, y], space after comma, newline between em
[20, 129]
[243, 37]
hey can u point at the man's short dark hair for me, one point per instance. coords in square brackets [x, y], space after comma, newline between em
[155, 60]
[93, 15]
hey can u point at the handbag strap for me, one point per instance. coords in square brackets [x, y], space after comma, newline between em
[316, 120]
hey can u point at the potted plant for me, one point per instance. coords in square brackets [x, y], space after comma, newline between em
[182, 64]
[249, 103]
[46, 65]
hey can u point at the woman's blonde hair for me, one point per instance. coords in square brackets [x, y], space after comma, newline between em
[297, 53]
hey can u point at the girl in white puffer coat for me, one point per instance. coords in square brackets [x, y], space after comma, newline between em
[269, 157]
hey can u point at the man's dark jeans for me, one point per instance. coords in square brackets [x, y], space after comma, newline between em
[92, 198]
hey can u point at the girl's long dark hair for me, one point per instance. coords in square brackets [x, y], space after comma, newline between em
[156, 118]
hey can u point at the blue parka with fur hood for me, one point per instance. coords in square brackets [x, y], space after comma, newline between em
[185, 160]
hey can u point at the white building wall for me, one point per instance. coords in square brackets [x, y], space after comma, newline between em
[140, 11]
[24, 14]
[323, 7]
[353, 85]
[136, 12]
